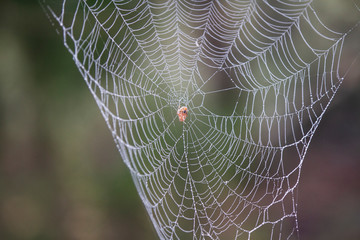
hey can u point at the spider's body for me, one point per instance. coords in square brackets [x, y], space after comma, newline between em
[182, 113]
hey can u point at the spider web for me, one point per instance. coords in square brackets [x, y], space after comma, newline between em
[256, 76]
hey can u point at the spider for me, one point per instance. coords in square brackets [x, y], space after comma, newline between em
[182, 112]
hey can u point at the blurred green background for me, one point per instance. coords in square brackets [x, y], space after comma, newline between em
[61, 176]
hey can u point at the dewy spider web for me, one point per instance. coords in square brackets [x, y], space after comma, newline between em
[256, 76]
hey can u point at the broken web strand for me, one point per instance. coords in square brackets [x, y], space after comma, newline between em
[233, 170]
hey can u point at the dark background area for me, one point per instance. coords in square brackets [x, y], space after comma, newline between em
[61, 176]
